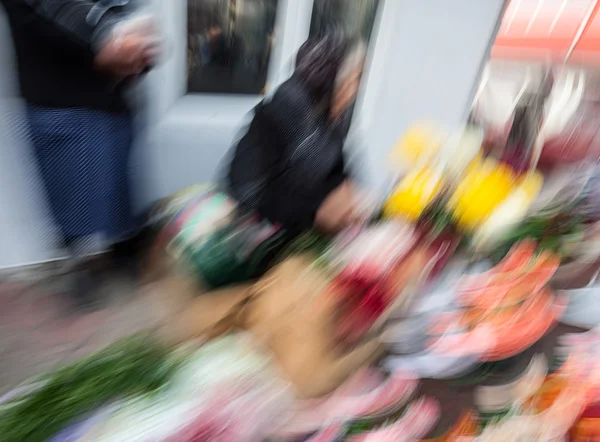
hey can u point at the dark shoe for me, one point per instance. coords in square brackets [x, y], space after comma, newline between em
[127, 256]
[84, 291]
[126, 267]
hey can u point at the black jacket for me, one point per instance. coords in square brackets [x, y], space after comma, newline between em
[55, 43]
[289, 160]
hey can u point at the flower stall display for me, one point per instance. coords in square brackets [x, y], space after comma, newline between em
[546, 413]
[478, 318]
[205, 235]
[514, 301]
[513, 384]
[465, 428]
[368, 395]
[454, 188]
[456, 284]
[562, 403]
[418, 419]
[564, 221]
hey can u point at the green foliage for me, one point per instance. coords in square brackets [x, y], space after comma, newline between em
[136, 365]
[553, 231]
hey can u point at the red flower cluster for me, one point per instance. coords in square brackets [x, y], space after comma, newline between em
[364, 296]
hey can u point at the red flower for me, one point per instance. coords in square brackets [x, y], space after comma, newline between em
[363, 298]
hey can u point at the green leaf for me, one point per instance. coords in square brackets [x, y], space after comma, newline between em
[137, 365]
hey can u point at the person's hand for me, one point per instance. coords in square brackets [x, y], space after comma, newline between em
[337, 210]
[127, 52]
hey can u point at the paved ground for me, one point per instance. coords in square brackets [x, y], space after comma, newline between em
[36, 333]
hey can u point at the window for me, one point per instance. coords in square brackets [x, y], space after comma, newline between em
[354, 18]
[229, 45]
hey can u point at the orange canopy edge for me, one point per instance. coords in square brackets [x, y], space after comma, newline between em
[554, 31]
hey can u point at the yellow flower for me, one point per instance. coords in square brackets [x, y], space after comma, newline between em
[413, 194]
[419, 144]
[510, 212]
[482, 189]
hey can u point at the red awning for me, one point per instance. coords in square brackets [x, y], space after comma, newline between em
[550, 30]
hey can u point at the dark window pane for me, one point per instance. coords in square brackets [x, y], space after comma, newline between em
[355, 18]
[229, 45]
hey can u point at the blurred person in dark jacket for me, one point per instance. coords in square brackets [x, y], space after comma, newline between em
[75, 59]
[290, 166]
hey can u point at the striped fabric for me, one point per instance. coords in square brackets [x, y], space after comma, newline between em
[83, 159]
